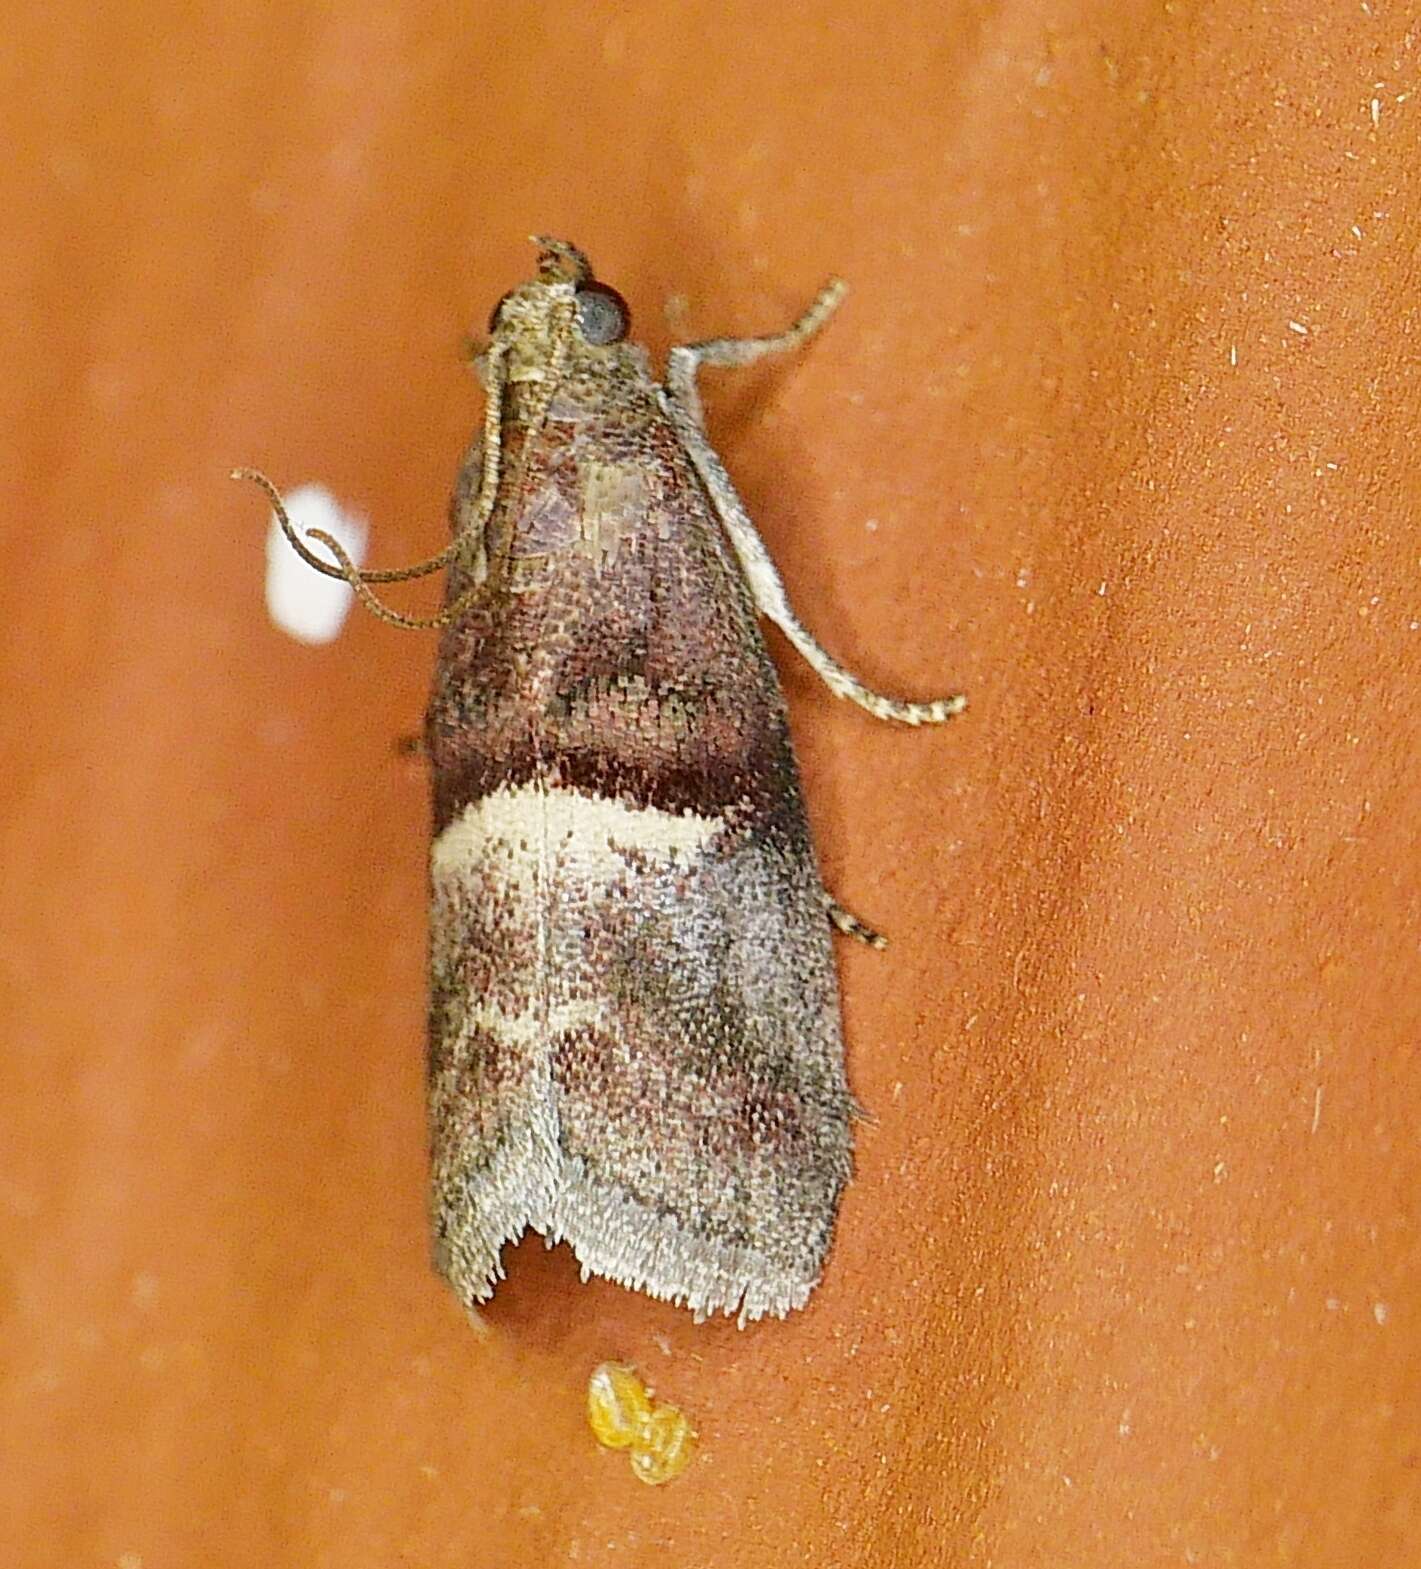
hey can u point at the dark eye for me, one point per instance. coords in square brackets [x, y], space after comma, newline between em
[602, 314]
[493, 314]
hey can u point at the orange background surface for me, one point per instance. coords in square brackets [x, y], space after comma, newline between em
[1116, 432]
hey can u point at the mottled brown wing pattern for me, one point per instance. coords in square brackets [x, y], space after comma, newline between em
[635, 1037]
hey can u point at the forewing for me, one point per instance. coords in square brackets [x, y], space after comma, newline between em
[634, 1035]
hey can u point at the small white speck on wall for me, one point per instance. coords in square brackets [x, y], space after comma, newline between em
[306, 604]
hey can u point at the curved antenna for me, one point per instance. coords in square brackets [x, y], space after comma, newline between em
[359, 581]
[278, 507]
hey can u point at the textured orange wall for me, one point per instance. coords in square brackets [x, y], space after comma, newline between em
[1116, 431]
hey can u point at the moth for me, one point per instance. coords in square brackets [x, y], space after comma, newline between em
[634, 1036]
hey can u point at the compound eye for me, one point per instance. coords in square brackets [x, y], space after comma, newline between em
[494, 313]
[602, 314]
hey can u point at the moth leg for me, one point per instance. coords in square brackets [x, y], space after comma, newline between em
[766, 586]
[687, 358]
[851, 926]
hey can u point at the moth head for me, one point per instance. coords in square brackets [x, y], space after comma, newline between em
[565, 300]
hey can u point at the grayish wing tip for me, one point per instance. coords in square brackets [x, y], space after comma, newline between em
[611, 1237]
